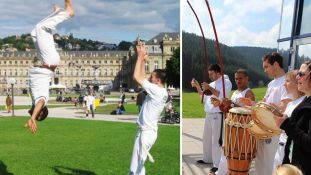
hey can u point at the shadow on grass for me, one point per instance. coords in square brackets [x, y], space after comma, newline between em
[71, 171]
[3, 169]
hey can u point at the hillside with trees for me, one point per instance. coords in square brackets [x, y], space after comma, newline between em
[66, 43]
[248, 58]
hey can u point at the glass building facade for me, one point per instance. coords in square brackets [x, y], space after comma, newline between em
[295, 32]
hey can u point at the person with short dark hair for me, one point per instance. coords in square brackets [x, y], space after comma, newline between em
[40, 75]
[212, 134]
[276, 95]
[150, 112]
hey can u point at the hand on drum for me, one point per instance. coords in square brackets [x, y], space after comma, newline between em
[245, 102]
[215, 101]
[279, 119]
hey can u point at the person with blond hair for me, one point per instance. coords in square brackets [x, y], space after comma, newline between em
[298, 126]
[287, 169]
[291, 85]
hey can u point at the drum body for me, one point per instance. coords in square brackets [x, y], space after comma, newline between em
[263, 125]
[240, 145]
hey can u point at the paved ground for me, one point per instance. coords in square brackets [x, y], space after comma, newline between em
[192, 148]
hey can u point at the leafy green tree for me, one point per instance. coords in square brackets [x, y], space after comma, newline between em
[124, 45]
[173, 69]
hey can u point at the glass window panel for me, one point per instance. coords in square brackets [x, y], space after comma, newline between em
[287, 18]
[284, 51]
[306, 16]
[304, 54]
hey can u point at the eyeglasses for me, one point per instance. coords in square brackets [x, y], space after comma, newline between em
[301, 74]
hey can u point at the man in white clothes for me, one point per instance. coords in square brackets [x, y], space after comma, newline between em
[243, 92]
[212, 134]
[150, 112]
[90, 104]
[40, 75]
[276, 95]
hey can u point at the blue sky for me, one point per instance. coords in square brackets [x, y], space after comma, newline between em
[238, 22]
[103, 20]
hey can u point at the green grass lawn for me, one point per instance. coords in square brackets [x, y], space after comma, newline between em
[130, 108]
[192, 107]
[2, 107]
[80, 147]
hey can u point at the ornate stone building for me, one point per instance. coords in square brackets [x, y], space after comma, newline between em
[160, 49]
[88, 67]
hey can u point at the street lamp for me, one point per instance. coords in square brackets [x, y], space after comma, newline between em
[12, 81]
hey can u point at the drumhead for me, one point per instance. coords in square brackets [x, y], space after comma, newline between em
[240, 110]
[257, 132]
[264, 117]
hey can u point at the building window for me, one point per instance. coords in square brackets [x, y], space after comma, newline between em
[156, 65]
[111, 72]
[105, 72]
[147, 66]
[172, 49]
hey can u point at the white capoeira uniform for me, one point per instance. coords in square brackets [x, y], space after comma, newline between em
[266, 149]
[280, 153]
[212, 124]
[148, 126]
[223, 166]
[42, 35]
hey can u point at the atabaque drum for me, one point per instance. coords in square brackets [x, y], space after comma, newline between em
[240, 145]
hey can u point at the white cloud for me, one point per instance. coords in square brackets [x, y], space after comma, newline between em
[134, 16]
[238, 22]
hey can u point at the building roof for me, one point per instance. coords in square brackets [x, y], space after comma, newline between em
[159, 38]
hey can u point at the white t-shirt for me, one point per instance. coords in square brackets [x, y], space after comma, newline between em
[90, 100]
[276, 91]
[217, 84]
[238, 94]
[153, 105]
[288, 111]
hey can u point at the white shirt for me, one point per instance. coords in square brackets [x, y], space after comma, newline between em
[276, 91]
[217, 84]
[288, 111]
[90, 100]
[238, 94]
[153, 105]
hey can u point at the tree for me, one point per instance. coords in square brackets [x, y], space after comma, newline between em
[173, 69]
[124, 45]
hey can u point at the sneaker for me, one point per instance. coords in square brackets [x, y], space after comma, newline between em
[213, 170]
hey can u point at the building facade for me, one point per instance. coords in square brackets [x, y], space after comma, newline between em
[88, 67]
[160, 49]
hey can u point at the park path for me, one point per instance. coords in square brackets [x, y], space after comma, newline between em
[192, 148]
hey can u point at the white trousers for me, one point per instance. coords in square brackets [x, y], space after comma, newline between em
[223, 165]
[143, 143]
[42, 36]
[266, 150]
[39, 83]
[211, 133]
[280, 152]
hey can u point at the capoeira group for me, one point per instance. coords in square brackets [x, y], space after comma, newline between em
[40, 78]
[270, 149]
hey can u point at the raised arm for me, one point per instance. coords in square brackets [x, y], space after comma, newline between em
[139, 71]
[195, 84]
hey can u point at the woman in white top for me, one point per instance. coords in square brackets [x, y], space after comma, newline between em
[291, 86]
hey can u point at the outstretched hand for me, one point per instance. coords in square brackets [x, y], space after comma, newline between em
[141, 50]
[31, 124]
